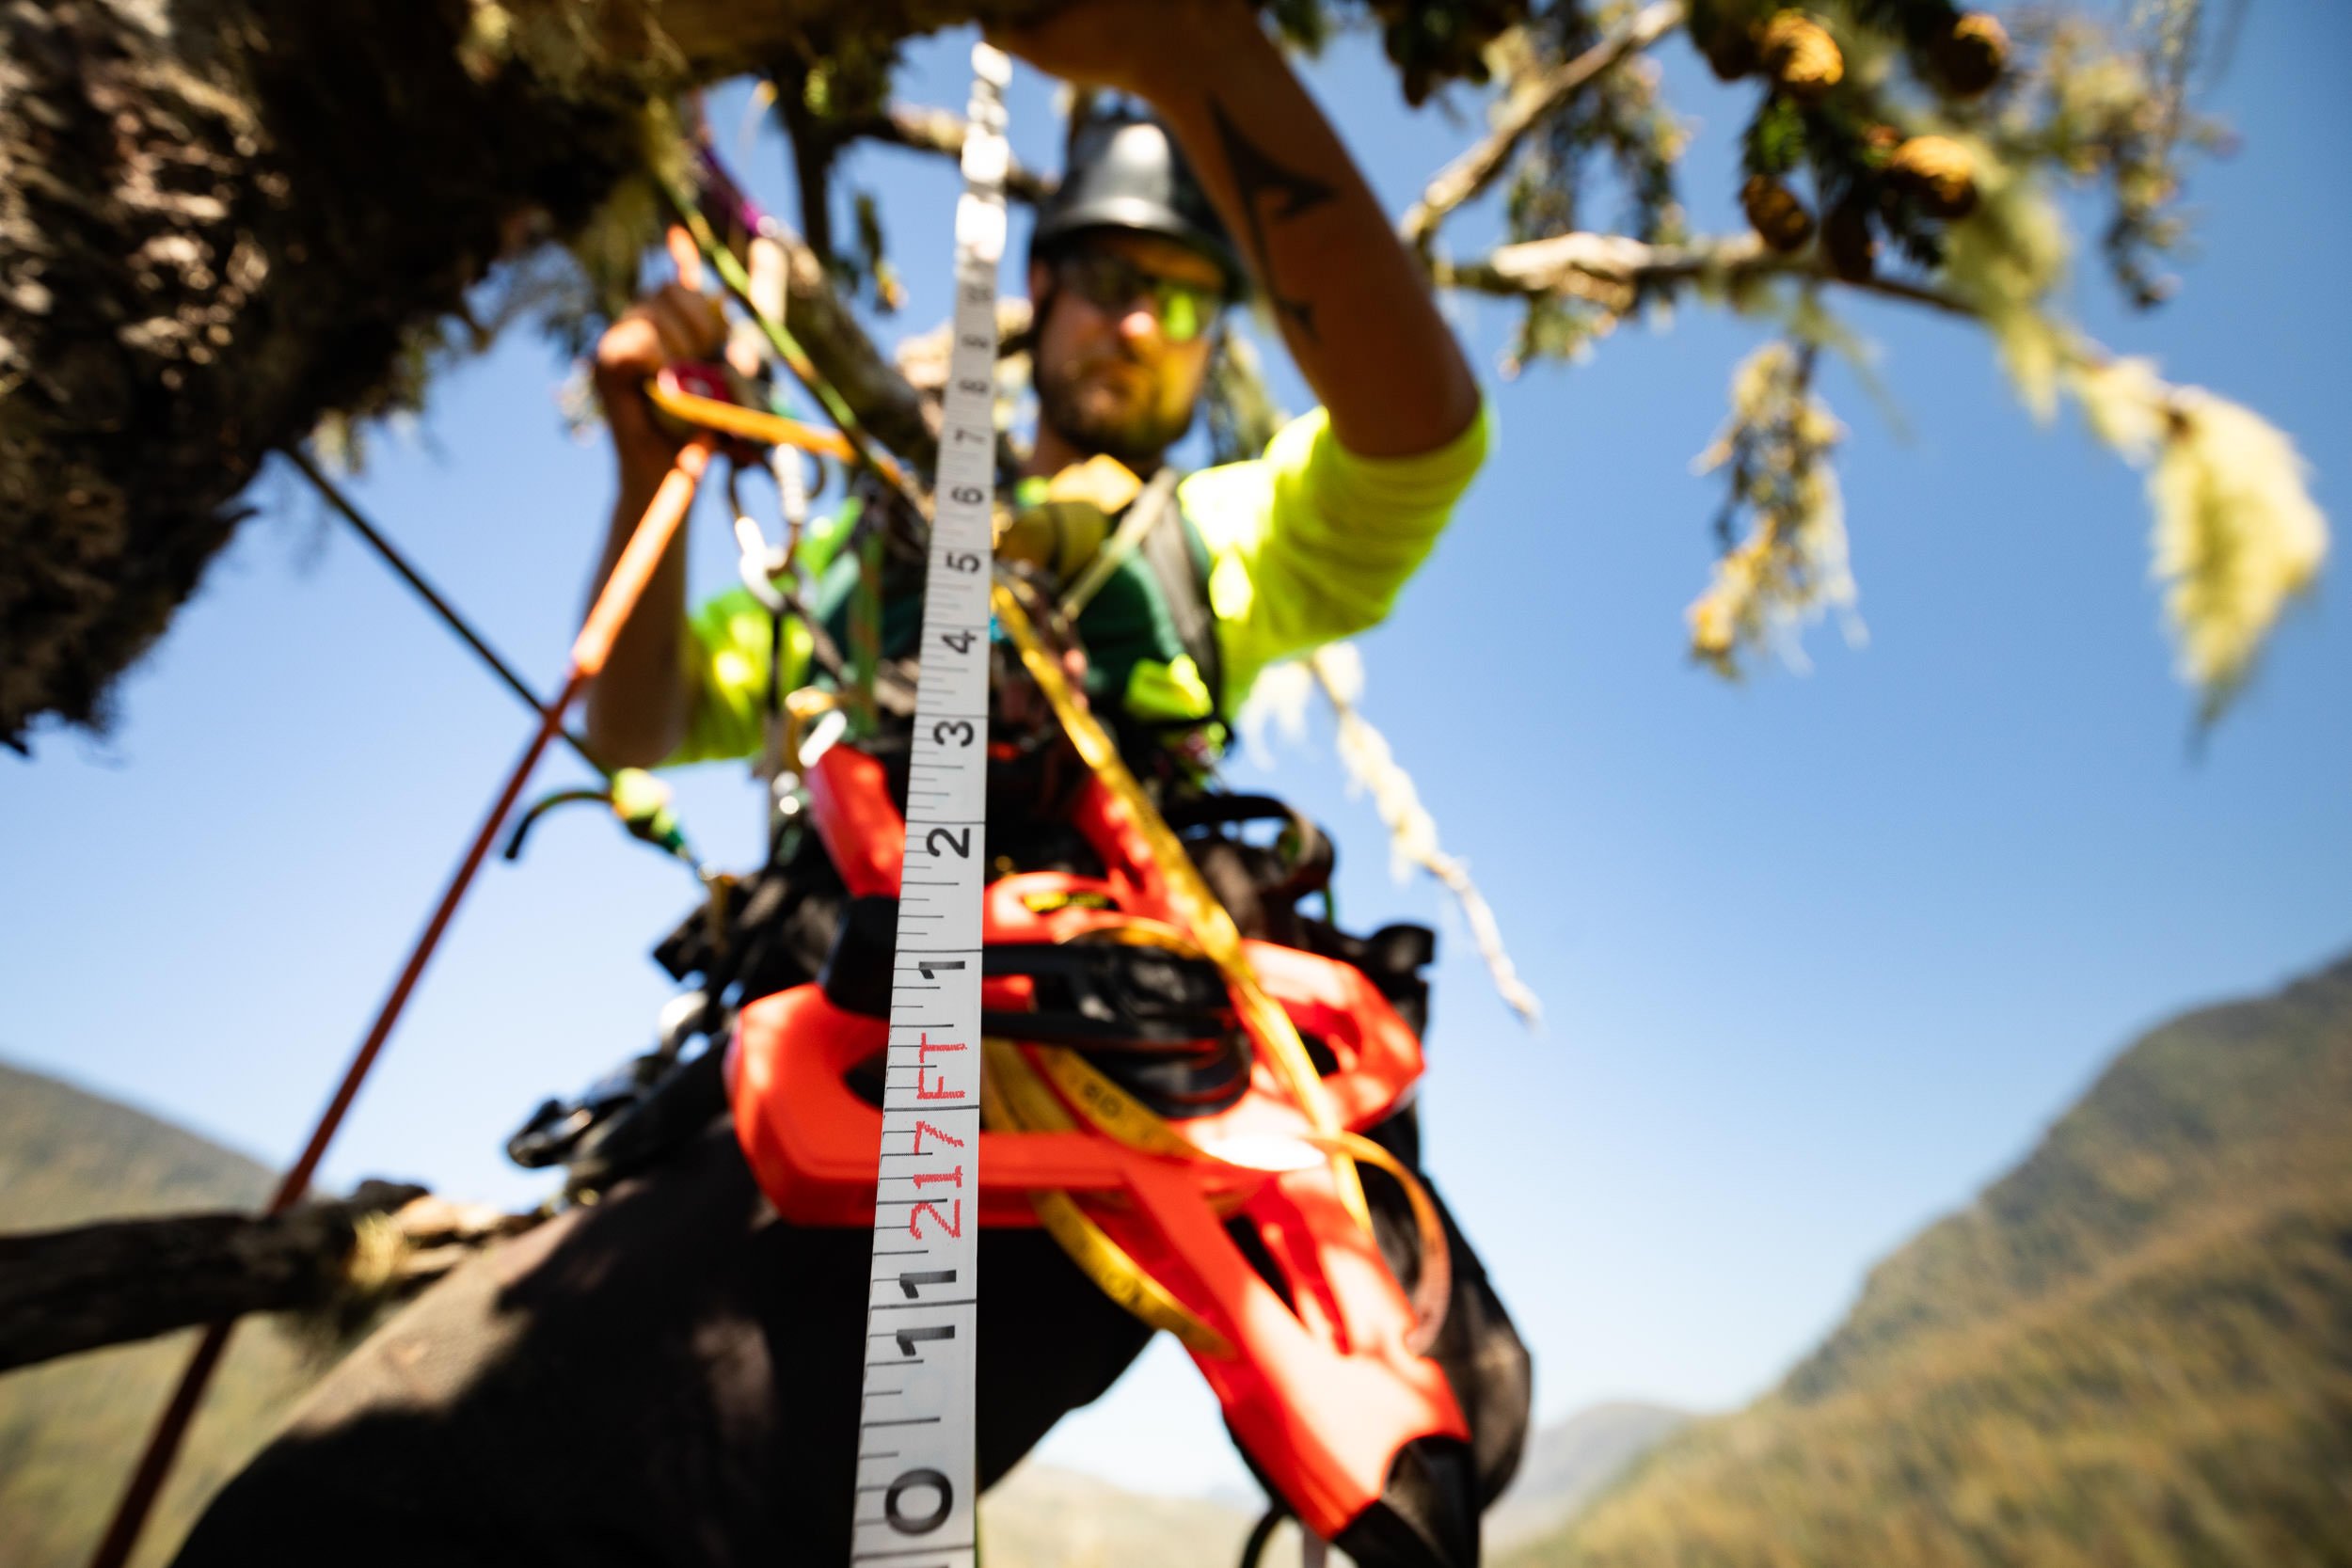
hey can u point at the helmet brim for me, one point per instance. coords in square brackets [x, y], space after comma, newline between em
[1130, 214]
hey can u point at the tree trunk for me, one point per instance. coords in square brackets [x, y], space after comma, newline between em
[221, 219]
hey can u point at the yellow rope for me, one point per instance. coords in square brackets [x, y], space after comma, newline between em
[1119, 1115]
[1211, 927]
[1013, 1097]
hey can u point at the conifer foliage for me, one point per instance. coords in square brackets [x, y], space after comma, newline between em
[234, 225]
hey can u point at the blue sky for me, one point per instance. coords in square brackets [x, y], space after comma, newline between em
[1822, 953]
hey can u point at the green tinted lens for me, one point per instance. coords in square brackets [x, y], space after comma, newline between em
[1113, 284]
[1179, 312]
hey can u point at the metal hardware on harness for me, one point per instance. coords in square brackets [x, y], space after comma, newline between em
[915, 1472]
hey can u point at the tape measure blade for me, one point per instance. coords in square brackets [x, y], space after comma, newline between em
[916, 1487]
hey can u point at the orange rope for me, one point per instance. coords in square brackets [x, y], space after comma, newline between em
[618, 596]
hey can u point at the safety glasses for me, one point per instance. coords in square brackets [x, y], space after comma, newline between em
[1113, 283]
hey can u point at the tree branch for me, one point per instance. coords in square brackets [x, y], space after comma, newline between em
[1609, 270]
[814, 144]
[1530, 102]
[62, 1292]
[883, 400]
[222, 221]
[920, 128]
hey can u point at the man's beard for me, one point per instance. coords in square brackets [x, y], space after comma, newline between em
[1137, 438]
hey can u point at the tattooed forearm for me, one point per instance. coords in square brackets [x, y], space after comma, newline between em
[1286, 193]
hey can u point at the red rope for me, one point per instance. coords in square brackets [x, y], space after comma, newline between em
[619, 595]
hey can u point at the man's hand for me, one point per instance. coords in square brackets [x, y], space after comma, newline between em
[670, 324]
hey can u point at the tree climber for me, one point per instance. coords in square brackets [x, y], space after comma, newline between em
[650, 1377]
[1306, 545]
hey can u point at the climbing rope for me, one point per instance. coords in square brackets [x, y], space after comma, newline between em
[619, 595]
[1211, 926]
[458, 626]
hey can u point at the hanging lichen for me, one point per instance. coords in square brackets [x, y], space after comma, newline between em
[1787, 566]
[1279, 699]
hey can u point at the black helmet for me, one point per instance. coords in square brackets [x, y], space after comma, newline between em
[1124, 172]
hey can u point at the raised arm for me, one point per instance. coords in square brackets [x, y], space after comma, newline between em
[1350, 303]
[639, 707]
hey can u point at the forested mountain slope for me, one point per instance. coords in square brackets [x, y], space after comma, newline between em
[2134, 1351]
[71, 1429]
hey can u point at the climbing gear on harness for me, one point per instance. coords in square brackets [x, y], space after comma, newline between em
[1195, 905]
[1324, 1387]
[1023, 1103]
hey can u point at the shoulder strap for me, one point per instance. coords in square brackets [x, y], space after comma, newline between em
[1179, 567]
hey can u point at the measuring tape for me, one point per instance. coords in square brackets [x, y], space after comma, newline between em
[915, 1490]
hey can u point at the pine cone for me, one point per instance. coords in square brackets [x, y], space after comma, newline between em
[1729, 45]
[1969, 57]
[1799, 53]
[1776, 212]
[1847, 242]
[1938, 174]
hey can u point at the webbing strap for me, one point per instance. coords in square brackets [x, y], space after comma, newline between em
[1168, 551]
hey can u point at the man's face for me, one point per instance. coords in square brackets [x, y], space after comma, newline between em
[1112, 375]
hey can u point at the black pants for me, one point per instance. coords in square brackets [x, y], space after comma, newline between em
[672, 1377]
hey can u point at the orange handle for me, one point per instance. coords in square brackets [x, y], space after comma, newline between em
[685, 257]
[641, 559]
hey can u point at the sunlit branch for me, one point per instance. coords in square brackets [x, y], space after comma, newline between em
[1528, 102]
[941, 132]
[881, 397]
[1609, 270]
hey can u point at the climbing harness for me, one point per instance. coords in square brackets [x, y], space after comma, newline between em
[1316, 1360]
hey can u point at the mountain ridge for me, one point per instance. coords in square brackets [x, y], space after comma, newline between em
[70, 1156]
[2133, 1350]
[69, 1429]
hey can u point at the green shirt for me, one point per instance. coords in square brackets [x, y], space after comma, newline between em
[1302, 547]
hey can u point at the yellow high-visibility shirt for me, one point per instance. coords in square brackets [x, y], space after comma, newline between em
[1307, 545]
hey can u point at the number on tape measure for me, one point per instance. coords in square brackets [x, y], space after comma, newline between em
[915, 1428]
